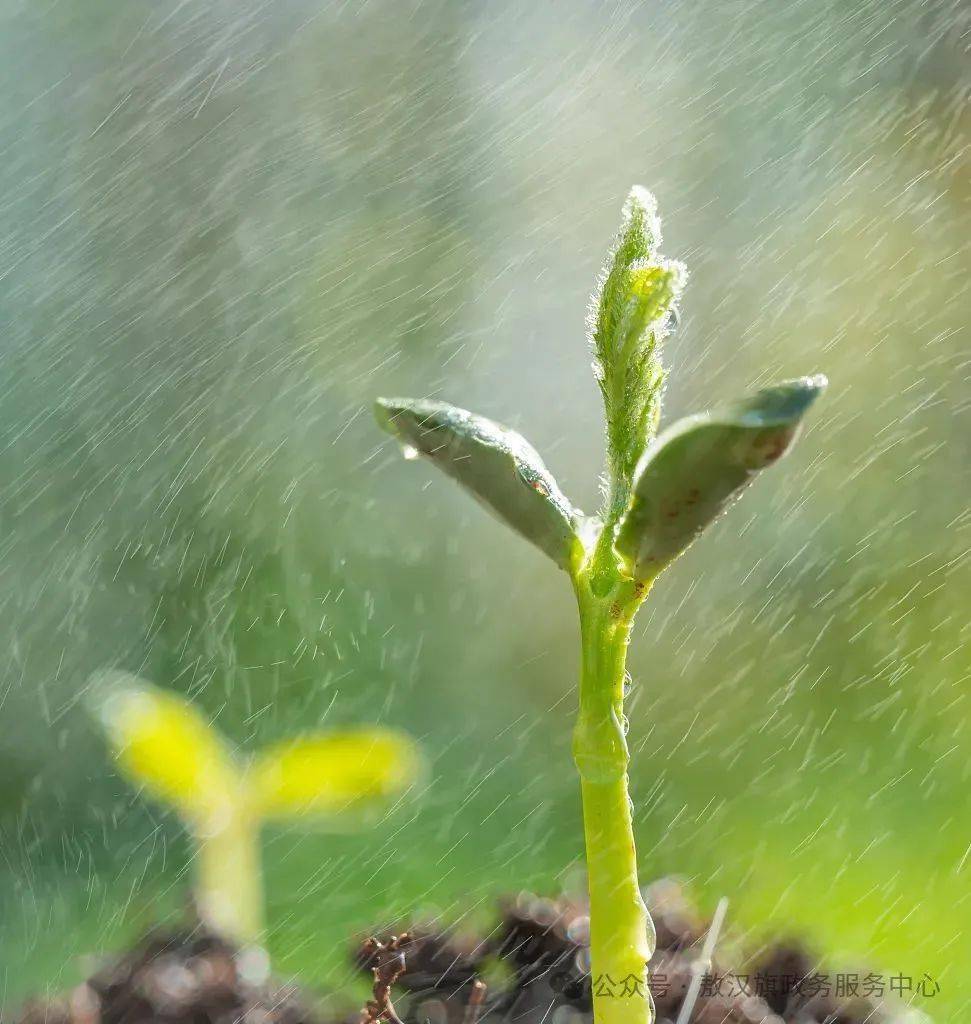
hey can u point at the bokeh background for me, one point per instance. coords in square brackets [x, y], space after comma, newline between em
[228, 224]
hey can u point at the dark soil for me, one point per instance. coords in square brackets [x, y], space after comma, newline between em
[190, 977]
[534, 964]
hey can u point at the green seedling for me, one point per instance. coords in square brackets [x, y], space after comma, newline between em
[335, 778]
[659, 493]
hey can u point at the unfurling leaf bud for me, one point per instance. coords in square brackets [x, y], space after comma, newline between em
[628, 320]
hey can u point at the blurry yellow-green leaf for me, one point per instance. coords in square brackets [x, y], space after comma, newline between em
[329, 773]
[163, 743]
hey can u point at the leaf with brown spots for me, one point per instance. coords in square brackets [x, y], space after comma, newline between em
[698, 467]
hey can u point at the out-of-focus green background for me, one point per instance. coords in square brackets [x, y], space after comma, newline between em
[228, 225]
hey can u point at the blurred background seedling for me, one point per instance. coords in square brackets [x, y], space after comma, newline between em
[339, 779]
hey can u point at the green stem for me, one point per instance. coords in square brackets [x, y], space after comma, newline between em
[228, 876]
[621, 933]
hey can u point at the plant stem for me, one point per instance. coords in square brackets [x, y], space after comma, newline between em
[228, 876]
[621, 933]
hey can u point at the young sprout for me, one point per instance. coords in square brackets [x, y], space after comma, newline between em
[659, 494]
[162, 743]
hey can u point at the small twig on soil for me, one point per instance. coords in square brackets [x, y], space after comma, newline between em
[388, 968]
[474, 1005]
[703, 963]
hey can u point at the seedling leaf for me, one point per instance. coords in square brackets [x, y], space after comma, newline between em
[329, 774]
[629, 317]
[165, 745]
[500, 468]
[698, 466]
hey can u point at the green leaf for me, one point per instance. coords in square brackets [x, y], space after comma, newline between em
[162, 743]
[501, 469]
[331, 774]
[629, 318]
[697, 467]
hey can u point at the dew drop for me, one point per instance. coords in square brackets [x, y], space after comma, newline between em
[578, 930]
[651, 933]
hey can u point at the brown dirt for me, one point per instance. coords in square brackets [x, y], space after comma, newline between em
[538, 949]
